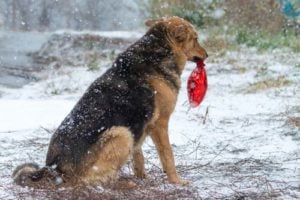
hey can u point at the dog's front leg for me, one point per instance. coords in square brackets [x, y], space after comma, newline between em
[159, 135]
[138, 163]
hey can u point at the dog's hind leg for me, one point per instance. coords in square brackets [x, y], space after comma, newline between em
[138, 163]
[116, 146]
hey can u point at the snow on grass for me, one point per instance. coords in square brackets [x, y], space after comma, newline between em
[111, 34]
[235, 145]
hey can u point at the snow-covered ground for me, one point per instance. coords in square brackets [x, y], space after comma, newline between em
[237, 144]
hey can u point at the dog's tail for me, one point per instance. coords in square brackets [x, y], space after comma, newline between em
[31, 175]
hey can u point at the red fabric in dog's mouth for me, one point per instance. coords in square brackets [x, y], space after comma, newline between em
[197, 84]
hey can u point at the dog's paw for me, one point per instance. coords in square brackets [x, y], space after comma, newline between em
[180, 182]
[141, 175]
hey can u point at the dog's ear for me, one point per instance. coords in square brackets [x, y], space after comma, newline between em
[152, 22]
[179, 33]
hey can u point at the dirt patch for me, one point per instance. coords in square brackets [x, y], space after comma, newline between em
[80, 49]
[295, 121]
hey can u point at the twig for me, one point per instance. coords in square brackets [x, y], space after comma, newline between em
[206, 115]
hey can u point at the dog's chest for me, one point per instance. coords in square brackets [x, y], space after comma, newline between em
[165, 97]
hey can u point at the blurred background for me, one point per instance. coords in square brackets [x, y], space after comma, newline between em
[48, 15]
[26, 24]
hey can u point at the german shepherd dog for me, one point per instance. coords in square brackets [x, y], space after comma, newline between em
[131, 100]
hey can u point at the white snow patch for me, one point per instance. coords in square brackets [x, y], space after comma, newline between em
[32, 114]
[110, 34]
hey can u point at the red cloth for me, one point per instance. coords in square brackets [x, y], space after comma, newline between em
[197, 84]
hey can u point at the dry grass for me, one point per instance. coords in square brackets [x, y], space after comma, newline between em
[267, 84]
[256, 15]
[154, 187]
[216, 44]
[247, 178]
[247, 181]
[295, 121]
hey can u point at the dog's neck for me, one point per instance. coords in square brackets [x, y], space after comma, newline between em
[179, 56]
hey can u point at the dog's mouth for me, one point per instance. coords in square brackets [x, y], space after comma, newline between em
[196, 59]
[199, 58]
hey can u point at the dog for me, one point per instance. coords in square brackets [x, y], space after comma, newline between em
[130, 101]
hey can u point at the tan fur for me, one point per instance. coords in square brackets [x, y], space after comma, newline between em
[165, 97]
[138, 163]
[23, 171]
[165, 101]
[183, 41]
[182, 37]
[112, 151]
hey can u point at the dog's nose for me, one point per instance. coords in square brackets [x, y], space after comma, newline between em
[206, 54]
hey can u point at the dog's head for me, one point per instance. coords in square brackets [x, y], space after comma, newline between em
[182, 35]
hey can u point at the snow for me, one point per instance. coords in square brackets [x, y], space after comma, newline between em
[32, 114]
[111, 34]
[239, 127]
